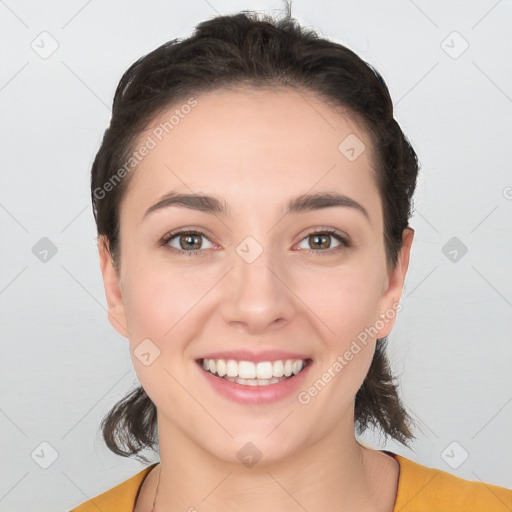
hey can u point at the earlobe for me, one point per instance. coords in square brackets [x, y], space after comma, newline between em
[111, 283]
[389, 303]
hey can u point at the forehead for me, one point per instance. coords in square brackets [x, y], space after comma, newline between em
[250, 145]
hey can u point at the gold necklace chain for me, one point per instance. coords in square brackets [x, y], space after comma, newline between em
[157, 486]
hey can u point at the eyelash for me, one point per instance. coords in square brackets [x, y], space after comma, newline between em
[344, 242]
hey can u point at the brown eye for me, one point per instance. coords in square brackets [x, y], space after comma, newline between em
[322, 242]
[186, 242]
[190, 241]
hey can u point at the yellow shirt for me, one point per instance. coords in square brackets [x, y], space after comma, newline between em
[420, 489]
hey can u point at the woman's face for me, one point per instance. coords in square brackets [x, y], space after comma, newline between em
[253, 281]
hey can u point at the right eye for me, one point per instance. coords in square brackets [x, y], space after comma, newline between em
[185, 242]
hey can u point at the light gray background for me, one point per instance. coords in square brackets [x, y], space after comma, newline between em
[63, 366]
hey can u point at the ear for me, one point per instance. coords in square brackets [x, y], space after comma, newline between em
[389, 303]
[111, 283]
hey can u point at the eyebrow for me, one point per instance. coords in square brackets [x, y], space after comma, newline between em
[216, 205]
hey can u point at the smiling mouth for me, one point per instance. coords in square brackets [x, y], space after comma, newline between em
[247, 373]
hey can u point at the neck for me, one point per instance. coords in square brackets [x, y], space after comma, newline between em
[336, 473]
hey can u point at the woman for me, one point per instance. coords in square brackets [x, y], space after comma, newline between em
[252, 197]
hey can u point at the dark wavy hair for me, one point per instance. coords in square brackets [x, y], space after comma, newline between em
[257, 50]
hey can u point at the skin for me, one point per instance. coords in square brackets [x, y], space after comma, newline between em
[256, 149]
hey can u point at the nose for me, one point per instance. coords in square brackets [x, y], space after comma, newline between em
[257, 296]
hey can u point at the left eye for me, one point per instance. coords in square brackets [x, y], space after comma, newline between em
[322, 240]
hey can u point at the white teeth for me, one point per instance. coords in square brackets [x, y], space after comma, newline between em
[246, 370]
[278, 369]
[264, 370]
[221, 367]
[296, 366]
[232, 368]
[251, 374]
[254, 382]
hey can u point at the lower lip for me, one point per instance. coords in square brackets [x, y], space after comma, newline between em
[255, 394]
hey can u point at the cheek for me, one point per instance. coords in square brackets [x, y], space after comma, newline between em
[345, 299]
[159, 298]
[163, 305]
[157, 305]
[153, 307]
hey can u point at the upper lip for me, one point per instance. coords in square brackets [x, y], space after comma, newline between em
[255, 357]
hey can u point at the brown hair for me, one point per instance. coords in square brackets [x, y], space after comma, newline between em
[254, 50]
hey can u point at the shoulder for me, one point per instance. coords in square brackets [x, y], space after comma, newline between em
[425, 489]
[120, 498]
